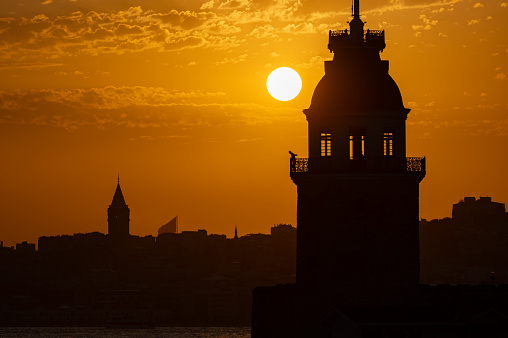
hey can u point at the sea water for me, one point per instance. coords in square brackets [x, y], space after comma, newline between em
[176, 332]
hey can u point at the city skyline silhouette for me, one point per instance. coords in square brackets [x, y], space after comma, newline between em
[172, 264]
[173, 98]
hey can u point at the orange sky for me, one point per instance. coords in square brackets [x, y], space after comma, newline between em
[171, 95]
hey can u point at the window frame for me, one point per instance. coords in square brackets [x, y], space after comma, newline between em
[326, 144]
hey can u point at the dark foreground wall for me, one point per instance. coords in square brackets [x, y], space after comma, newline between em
[460, 311]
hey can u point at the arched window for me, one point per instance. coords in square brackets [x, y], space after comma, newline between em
[326, 144]
[356, 144]
[388, 143]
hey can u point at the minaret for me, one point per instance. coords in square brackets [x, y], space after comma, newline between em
[358, 193]
[118, 216]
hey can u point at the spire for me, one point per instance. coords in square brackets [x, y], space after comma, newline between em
[118, 200]
[355, 36]
[236, 232]
[356, 9]
[356, 25]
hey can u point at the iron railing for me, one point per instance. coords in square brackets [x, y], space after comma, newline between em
[386, 164]
[346, 32]
[299, 165]
[416, 164]
[338, 39]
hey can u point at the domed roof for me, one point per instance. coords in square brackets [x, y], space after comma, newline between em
[346, 88]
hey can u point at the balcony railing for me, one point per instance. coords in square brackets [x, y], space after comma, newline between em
[383, 164]
[416, 164]
[338, 39]
[346, 32]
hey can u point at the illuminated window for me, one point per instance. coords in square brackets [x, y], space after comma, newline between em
[388, 144]
[356, 144]
[326, 144]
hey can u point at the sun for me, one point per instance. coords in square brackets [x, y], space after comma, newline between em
[284, 84]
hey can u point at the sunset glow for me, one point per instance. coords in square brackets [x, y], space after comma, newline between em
[172, 96]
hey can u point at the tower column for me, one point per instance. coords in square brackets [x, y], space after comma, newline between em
[358, 214]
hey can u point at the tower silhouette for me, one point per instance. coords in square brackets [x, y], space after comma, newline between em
[358, 213]
[118, 217]
[358, 193]
[358, 199]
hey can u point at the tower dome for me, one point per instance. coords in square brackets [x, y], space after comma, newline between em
[356, 81]
[347, 88]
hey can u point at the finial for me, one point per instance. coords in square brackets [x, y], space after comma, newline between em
[118, 178]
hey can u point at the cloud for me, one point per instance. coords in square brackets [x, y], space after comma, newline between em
[473, 22]
[249, 140]
[131, 30]
[238, 59]
[207, 5]
[28, 65]
[262, 32]
[109, 97]
[315, 61]
[427, 23]
[301, 28]
[400, 5]
[478, 5]
[46, 2]
[501, 76]
[133, 107]
[234, 4]
[213, 24]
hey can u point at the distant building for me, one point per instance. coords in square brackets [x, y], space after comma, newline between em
[25, 248]
[478, 211]
[468, 247]
[118, 217]
[283, 230]
[170, 227]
